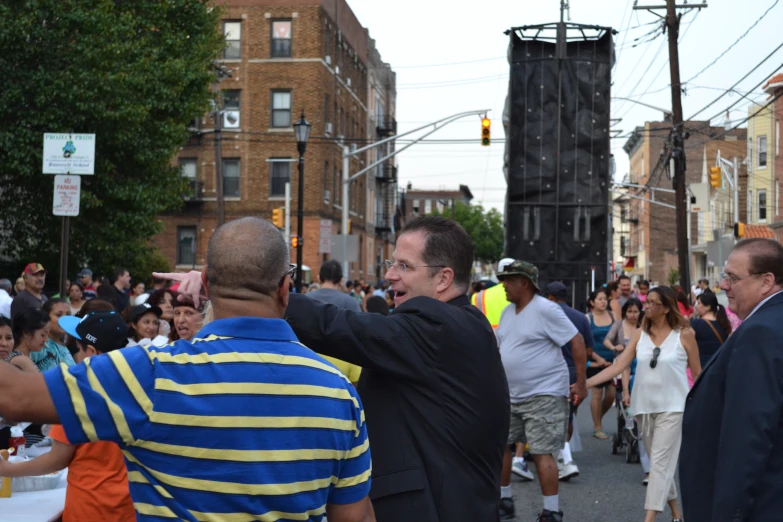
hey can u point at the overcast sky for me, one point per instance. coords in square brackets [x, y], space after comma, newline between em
[427, 43]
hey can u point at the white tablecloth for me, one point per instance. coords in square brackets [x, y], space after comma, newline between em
[36, 506]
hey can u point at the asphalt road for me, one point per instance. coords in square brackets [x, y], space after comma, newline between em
[606, 490]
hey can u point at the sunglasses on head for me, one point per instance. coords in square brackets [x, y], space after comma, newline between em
[656, 353]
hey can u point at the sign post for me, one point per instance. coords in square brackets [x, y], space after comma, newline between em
[68, 156]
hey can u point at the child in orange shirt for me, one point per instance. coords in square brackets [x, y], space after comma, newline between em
[97, 477]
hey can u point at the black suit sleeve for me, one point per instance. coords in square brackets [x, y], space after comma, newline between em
[401, 344]
[751, 416]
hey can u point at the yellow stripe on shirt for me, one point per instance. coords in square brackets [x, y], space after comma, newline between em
[79, 406]
[243, 357]
[139, 478]
[352, 481]
[235, 488]
[253, 388]
[124, 369]
[116, 412]
[253, 455]
[231, 421]
[269, 516]
[154, 511]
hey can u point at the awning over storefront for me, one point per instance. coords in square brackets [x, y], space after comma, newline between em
[630, 263]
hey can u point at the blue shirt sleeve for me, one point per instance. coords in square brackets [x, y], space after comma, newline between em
[105, 398]
[354, 481]
[586, 332]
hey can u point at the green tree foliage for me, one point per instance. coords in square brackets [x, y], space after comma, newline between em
[673, 276]
[134, 74]
[485, 229]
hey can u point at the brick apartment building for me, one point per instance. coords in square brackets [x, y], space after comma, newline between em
[289, 57]
[421, 202]
[652, 249]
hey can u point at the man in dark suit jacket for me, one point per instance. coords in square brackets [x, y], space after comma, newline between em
[731, 461]
[433, 386]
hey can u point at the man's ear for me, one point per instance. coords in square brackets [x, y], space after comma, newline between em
[204, 281]
[283, 293]
[444, 279]
[91, 351]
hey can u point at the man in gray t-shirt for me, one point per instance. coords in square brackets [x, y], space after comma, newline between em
[330, 275]
[531, 331]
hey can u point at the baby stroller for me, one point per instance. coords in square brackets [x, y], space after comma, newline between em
[627, 436]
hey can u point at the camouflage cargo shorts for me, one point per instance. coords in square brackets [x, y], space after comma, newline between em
[541, 422]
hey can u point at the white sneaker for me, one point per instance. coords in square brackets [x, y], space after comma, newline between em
[568, 471]
[519, 468]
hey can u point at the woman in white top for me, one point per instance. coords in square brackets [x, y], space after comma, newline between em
[664, 347]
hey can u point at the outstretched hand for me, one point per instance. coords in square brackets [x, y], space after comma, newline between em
[190, 286]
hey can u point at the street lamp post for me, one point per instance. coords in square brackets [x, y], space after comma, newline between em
[302, 130]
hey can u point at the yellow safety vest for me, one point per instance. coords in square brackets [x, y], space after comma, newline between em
[491, 302]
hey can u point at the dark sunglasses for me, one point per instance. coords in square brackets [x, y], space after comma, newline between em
[656, 353]
[290, 272]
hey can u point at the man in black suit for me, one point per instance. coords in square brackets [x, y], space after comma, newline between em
[433, 386]
[731, 461]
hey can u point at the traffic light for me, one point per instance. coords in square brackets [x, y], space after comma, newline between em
[715, 178]
[485, 123]
[739, 230]
[294, 241]
[278, 217]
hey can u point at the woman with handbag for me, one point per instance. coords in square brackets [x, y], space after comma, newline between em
[665, 346]
[713, 326]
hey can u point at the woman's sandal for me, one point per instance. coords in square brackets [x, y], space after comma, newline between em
[599, 434]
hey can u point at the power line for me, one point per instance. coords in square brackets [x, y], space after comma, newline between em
[448, 64]
[735, 42]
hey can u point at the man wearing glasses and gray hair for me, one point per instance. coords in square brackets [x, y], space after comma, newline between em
[731, 462]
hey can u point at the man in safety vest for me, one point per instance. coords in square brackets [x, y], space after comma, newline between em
[491, 302]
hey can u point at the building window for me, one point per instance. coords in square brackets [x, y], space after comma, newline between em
[326, 109]
[762, 205]
[281, 108]
[327, 194]
[281, 38]
[232, 32]
[762, 151]
[280, 175]
[186, 246]
[416, 206]
[188, 169]
[231, 109]
[231, 178]
[777, 198]
[777, 137]
[327, 40]
[750, 206]
[427, 206]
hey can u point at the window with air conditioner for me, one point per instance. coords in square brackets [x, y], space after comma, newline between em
[280, 174]
[327, 194]
[762, 206]
[188, 168]
[416, 206]
[186, 245]
[232, 32]
[231, 178]
[281, 38]
[281, 109]
[231, 109]
[328, 129]
[762, 149]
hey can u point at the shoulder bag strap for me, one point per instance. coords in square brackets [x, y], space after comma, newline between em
[709, 323]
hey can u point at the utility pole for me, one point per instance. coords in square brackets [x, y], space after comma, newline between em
[678, 138]
[678, 149]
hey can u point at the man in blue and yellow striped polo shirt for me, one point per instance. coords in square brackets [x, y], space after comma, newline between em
[242, 423]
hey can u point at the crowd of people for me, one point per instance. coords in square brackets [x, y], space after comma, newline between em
[222, 394]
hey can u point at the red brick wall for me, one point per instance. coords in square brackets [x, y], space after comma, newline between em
[310, 80]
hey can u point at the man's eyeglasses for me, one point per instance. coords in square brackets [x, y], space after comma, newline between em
[656, 353]
[290, 272]
[732, 279]
[401, 268]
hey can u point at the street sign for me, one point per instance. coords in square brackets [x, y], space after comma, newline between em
[325, 237]
[351, 248]
[67, 192]
[65, 153]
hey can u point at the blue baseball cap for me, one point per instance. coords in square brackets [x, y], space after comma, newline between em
[104, 330]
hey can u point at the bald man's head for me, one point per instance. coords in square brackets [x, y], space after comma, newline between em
[246, 258]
